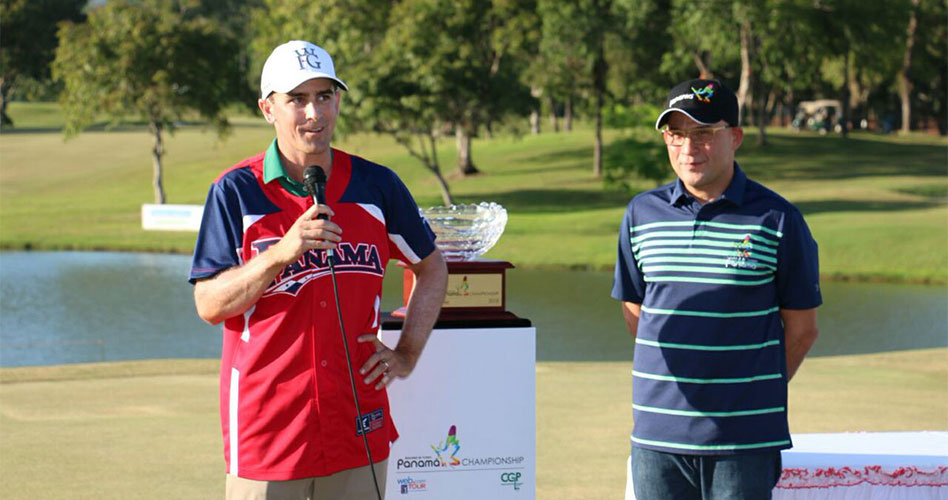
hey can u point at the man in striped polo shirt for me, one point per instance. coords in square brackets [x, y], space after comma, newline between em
[719, 282]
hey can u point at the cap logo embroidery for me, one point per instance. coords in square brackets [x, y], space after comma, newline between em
[705, 94]
[680, 98]
[309, 57]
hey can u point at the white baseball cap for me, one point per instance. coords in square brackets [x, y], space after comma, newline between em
[293, 63]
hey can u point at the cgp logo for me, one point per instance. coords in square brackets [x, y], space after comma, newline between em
[511, 479]
[308, 57]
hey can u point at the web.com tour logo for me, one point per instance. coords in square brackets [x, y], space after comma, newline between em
[412, 485]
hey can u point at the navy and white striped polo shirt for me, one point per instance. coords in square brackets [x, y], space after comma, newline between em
[710, 374]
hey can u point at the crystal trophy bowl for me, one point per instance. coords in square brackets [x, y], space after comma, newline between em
[465, 232]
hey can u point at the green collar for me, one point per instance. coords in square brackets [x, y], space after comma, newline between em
[273, 169]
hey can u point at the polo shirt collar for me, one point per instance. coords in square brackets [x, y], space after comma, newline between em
[273, 170]
[734, 192]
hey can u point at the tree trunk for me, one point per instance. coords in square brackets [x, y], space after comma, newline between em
[554, 122]
[746, 71]
[905, 83]
[6, 90]
[535, 111]
[435, 166]
[463, 139]
[443, 185]
[568, 114]
[599, 87]
[843, 119]
[703, 69]
[156, 153]
[761, 119]
[597, 147]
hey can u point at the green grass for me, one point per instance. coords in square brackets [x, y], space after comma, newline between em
[150, 429]
[876, 204]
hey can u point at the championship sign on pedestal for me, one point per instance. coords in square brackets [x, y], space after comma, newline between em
[467, 414]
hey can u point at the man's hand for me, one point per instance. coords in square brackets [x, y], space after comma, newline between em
[307, 233]
[431, 280]
[385, 363]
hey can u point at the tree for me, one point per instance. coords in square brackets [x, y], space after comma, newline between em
[558, 71]
[905, 83]
[930, 64]
[147, 59]
[643, 39]
[575, 37]
[857, 35]
[28, 41]
[705, 41]
[465, 66]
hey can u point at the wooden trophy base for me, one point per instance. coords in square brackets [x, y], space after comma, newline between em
[476, 295]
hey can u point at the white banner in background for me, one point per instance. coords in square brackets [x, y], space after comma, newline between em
[172, 217]
[466, 417]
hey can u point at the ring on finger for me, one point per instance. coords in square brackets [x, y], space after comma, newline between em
[386, 365]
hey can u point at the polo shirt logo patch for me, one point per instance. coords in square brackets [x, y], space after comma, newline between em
[741, 257]
[370, 422]
[359, 258]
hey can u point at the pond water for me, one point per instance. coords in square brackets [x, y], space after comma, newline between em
[74, 307]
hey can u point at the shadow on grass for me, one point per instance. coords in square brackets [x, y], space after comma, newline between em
[551, 200]
[816, 207]
[549, 161]
[834, 158]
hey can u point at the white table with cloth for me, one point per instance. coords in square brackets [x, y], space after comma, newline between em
[863, 466]
[866, 465]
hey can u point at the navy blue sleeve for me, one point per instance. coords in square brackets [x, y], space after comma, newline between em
[409, 234]
[798, 266]
[219, 238]
[628, 285]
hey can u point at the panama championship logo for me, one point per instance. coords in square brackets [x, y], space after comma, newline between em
[447, 456]
[447, 449]
[705, 94]
[741, 256]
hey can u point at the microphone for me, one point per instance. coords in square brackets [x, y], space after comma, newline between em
[314, 180]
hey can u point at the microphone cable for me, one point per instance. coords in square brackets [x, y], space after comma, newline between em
[355, 396]
[314, 180]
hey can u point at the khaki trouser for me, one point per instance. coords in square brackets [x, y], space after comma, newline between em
[352, 484]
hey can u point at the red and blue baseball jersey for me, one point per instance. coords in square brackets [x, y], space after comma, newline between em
[287, 410]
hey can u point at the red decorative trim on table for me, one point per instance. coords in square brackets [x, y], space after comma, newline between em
[871, 474]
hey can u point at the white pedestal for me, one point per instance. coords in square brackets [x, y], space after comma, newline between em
[480, 382]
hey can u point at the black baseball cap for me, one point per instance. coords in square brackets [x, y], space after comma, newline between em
[704, 101]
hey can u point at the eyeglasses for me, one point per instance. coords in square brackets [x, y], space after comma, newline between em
[699, 136]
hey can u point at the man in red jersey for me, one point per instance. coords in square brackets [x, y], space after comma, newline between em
[291, 427]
